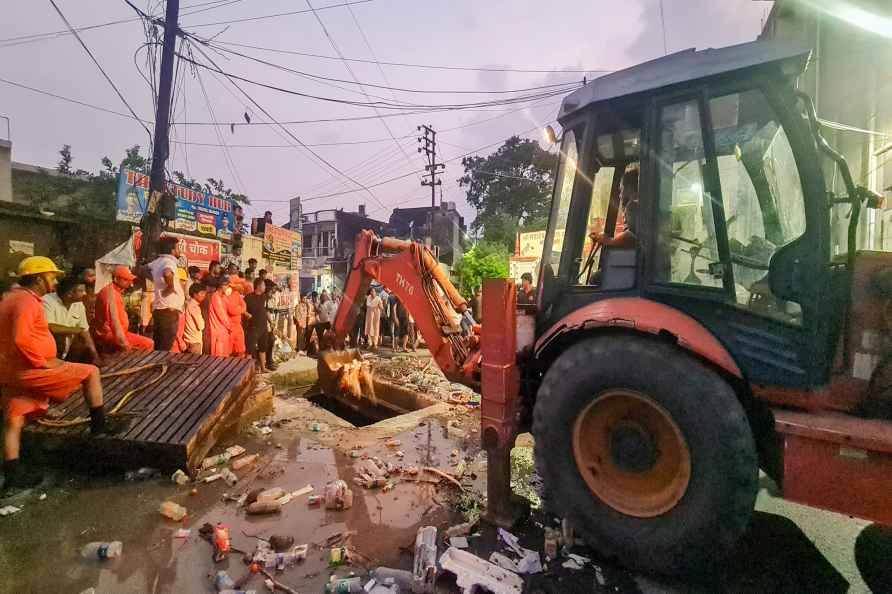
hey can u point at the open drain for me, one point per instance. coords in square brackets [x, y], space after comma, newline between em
[391, 401]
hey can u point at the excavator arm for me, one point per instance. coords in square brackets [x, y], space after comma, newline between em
[410, 271]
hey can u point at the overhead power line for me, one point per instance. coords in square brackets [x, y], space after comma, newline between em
[278, 14]
[99, 66]
[423, 66]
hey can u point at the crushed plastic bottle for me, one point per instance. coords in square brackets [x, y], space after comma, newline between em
[229, 477]
[270, 495]
[102, 550]
[180, 477]
[172, 510]
[338, 495]
[344, 586]
[223, 582]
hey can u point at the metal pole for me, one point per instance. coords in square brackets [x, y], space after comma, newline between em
[151, 223]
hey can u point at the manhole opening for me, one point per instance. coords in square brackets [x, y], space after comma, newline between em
[393, 401]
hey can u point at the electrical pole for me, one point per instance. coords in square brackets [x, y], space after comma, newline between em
[429, 148]
[160, 206]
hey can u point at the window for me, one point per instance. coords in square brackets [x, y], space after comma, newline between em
[599, 204]
[687, 250]
[762, 192]
[563, 194]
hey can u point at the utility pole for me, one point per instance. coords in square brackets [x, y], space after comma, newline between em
[429, 148]
[160, 205]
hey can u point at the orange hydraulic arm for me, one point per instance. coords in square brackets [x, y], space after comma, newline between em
[410, 271]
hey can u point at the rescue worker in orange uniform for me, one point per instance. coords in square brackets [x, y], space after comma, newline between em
[236, 308]
[111, 326]
[219, 324]
[30, 372]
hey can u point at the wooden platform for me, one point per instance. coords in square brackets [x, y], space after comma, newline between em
[175, 421]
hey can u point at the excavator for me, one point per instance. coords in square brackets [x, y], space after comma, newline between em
[735, 332]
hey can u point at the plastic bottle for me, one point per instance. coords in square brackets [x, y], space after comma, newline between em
[222, 544]
[223, 582]
[102, 550]
[172, 510]
[424, 572]
[338, 495]
[242, 462]
[344, 586]
[282, 560]
[271, 495]
[215, 460]
[229, 476]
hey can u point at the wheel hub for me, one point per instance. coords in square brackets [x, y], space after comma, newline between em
[632, 447]
[631, 453]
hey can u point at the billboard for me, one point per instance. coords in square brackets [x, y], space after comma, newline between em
[197, 212]
[194, 251]
[282, 246]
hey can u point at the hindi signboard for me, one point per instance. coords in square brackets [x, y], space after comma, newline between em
[282, 246]
[197, 212]
[194, 251]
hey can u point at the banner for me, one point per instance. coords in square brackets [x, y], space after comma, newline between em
[197, 212]
[282, 246]
[194, 251]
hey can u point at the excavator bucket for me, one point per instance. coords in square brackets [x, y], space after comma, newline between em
[330, 363]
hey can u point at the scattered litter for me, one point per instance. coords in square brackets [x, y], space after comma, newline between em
[42, 497]
[222, 542]
[102, 550]
[243, 462]
[338, 556]
[462, 529]
[235, 451]
[260, 428]
[575, 562]
[424, 572]
[459, 542]
[182, 533]
[400, 577]
[317, 427]
[229, 476]
[281, 542]
[314, 500]
[552, 543]
[172, 510]
[503, 562]
[349, 585]
[355, 453]
[213, 477]
[473, 574]
[568, 535]
[263, 507]
[143, 474]
[530, 563]
[511, 542]
[338, 496]
[270, 495]
[212, 461]
[222, 581]
[393, 443]
[180, 477]
[599, 576]
[400, 454]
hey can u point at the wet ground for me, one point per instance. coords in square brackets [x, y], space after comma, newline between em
[790, 548]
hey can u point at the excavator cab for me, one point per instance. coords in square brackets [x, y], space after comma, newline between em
[695, 320]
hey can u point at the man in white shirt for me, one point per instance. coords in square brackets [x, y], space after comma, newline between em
[67, 319]
[168, 292]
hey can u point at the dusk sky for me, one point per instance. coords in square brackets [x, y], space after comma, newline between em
[494, 34]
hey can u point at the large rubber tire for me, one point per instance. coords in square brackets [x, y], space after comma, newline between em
[706, 523]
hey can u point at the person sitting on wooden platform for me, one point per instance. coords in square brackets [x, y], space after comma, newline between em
[30, 372]
[111, 327]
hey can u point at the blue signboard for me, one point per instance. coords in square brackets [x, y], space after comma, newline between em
[198, 212]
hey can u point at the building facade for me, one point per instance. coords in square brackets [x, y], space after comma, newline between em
[443, 224]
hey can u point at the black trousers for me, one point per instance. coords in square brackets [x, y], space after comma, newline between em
[166, 322]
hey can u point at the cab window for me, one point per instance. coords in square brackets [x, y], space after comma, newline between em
[563, 194]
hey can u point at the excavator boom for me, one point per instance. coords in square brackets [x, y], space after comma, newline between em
[409, 270]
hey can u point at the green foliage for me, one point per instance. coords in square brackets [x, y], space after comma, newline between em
[213, 186]
[511, 189]
[64, 165]
[484, 260]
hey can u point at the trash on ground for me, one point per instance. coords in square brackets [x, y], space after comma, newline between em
[182, 533]
[400, 577]
[180, 477]
[349, 585]
[229, 476]
[338, 496]
[338, 556]
[269, 495]
[42, 497]
[102, 551]
[235, 451]
[459, 542]
[503, 561]
[575, 562]
[424, 572]
[222, 581]
[172, 510]
[511, 542]
[393, 443]
[8, 510]
[552, 543]
[263, 507]
[462, 529]
[473, 574]
[243, 462]
[143, 474]
[281, 542]
[222, 542]
[530, 563]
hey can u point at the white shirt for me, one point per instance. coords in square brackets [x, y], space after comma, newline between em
[326, 312]
[73, 316]
[158, 266]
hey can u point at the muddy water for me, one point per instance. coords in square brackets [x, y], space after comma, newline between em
[39, 547]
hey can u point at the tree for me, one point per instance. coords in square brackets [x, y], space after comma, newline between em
[484, 260]
[64, 165]
[511, 189]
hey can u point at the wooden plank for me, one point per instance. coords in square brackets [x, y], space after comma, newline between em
[225, 382]
[208, 433]
[193, 383]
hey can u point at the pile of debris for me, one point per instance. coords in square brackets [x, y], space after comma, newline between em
[422, 375]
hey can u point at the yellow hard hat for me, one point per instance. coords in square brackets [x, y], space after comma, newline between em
[37, 265]
[182, 274]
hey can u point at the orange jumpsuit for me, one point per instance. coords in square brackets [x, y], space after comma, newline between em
[236, 307]
[103, 324]
[25, 347]
[219, 325]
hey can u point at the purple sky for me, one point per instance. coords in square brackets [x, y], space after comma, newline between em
[567, 34]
